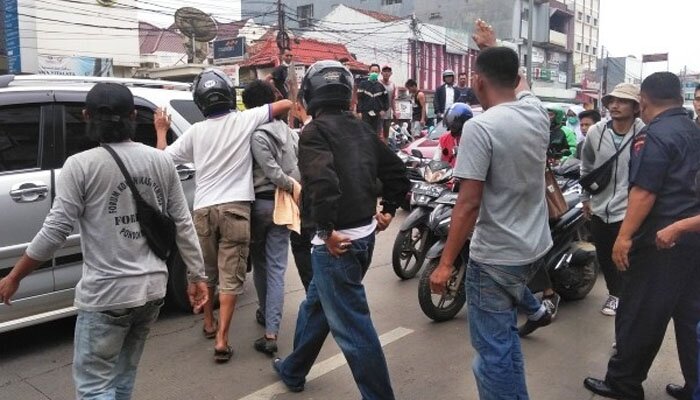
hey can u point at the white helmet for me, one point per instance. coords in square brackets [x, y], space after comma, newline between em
[448, 72]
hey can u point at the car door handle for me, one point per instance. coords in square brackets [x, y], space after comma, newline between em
[185, 172]
[29, 192]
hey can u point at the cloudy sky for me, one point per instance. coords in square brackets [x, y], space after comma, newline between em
[223, 10]
[635, 27]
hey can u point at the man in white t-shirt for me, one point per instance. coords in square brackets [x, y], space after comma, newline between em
[391, 90]
[219, 147]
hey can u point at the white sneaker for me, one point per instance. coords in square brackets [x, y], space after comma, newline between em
[610, 306]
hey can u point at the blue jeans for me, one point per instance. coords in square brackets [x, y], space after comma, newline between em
[494, 292]
[108, 347]
[269, 249]
[336, 302]
[529, 303]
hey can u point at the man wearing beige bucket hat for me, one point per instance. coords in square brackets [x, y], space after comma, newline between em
[606, 209]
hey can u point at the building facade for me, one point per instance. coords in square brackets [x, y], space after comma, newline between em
[448, 23]
[413, 50]
[586, 36]
[87, 38]
[618, 70]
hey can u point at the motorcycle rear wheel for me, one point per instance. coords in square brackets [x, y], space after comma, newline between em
[439, 308]
[580, 277]
[408, 254]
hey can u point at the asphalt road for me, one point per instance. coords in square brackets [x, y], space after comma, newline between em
[428, 361]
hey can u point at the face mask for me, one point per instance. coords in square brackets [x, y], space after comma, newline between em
[572, 120]
[373, 76]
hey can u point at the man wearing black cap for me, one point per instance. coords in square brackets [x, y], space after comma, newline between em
[661, 283]
[123, 282]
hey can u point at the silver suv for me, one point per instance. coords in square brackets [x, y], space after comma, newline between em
[41, 125]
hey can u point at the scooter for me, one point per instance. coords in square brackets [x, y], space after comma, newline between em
[571, 263]
[414, 237]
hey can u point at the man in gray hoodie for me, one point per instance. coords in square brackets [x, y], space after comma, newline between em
[607, 208]
[274, 148]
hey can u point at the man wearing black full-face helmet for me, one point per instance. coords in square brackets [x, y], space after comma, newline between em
[339, 151]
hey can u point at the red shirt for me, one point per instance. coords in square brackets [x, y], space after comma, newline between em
[448, 143]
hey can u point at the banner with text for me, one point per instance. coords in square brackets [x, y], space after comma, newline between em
[75, 66]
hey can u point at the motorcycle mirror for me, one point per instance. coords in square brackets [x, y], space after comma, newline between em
[417, 153]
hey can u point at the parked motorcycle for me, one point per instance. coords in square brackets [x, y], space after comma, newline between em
[571, 263]
[399, 136]
[443, 307]
[414, 237]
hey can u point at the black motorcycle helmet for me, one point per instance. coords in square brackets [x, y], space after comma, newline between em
[327, 84]
[213, 92]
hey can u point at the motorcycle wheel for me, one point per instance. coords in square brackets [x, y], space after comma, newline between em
[408, 253]
[579, 279]
[439, 308]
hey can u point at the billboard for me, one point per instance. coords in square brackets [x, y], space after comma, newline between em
[229, 50]
[647, 58]
[75, 66]
[11, 22]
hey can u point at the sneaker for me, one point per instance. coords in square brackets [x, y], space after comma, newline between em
[276, 365]
[260, 317]
[530, 326]
[610, 306]
[266, 345]
[552, 304]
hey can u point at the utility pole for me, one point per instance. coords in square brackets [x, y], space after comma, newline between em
[414, 46]
[530, 29]
[281, 28]
[604, 86]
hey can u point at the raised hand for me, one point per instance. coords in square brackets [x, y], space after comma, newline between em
[484, 36]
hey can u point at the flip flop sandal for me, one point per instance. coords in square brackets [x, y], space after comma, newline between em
[211, 334]
[222, 356]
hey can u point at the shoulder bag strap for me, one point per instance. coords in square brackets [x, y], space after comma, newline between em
[125, 172]
[624, 146]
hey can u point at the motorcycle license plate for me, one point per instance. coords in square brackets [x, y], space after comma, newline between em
[427, 190]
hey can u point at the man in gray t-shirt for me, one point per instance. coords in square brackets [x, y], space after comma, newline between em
[123, 281]
[501, 162]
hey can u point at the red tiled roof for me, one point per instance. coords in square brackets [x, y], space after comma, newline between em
[153, 39]
[306, 52]
[381, 17]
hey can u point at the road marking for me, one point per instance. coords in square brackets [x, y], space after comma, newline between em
[324, 367]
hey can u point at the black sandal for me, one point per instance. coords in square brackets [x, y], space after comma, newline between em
[222, 356]
[211, 334]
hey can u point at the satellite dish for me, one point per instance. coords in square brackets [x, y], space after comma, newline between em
[197, 27]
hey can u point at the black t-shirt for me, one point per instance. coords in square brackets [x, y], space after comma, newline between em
[466, 95]
[279, 77]
[665, 160]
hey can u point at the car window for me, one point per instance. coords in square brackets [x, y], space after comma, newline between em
[19, 137]
[188, 110]
[76, 138]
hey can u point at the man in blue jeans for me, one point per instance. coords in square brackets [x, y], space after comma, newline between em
[123, 282]
[340, 159]
[501, 199]
[274, 148]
